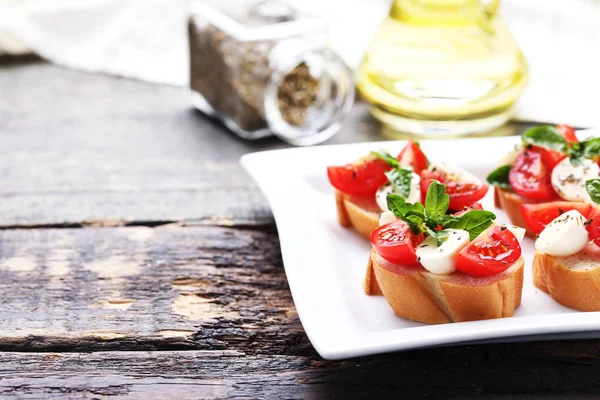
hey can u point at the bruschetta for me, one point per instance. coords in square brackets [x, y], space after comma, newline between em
[432, 267]
[566, 264]
[361, 187]
[549, 166]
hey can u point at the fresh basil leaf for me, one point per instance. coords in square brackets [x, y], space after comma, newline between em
[546, 136]
[414, 222]
[576, 154]
[474, 222]
[387, 157]
[398, 205]
[432, 223]
[414, 226]
[412, 214]
[576, 158]
[591, 147]
[576, 147]
[418, 207]
[499, 177]
[439, 236]
[447, 219]
[593, 188]
[436, 201]
[400, 178]
[415, 213]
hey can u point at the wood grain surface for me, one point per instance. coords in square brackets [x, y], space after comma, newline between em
[141, 288]
[81, 147]
[138, 259]
[493, 371]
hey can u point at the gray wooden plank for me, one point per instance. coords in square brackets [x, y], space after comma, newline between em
[76, 146]
[145, 288]
[499, 371]
[79, 146]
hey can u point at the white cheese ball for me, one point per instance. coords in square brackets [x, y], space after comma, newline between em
[569, 181]
[564, 236]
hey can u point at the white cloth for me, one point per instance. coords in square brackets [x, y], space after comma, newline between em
[142, 39]
[146, 40]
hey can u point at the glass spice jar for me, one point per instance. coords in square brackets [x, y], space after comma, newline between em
[264, 68]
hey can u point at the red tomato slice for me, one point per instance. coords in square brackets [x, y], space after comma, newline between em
[537, 216]
[529, 176]
[550, 157]
[475, 206]
[568, 132]
[492, 252]
[412, 155]
[396, 243]
[553, 157]
[462, 194]
[593, 225]
[361, 178]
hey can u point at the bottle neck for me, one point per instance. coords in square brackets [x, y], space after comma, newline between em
[444, 12]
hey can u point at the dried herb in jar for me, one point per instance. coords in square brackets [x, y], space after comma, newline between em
[232, 77]
[297, 92]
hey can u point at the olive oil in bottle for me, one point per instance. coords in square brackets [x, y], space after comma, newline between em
[442, 68]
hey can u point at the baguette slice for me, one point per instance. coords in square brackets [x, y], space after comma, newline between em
[511, 202]
[573, 281]
[418, 295]
[352, 216]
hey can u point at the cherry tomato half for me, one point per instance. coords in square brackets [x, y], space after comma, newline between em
[412, 155]
[462, 194]
[568, 132]
[537, 216]
[593, 225]
[475, 206]
[361, 178]
[552, 157]
[530, 178]
[396, 243]
[492, 252]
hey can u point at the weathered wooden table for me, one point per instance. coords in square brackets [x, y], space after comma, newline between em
[138, 259]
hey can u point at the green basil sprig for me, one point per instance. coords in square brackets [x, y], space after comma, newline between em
[400, 177]
[437, 200]
[549, 137]
[474, 222]
[430, 218]
[387, 157]
[546, 136]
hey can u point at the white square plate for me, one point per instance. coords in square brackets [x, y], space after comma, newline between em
[325, 263]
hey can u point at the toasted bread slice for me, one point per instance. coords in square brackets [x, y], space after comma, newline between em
[511, 202]
[573, 281]
[351, 215]
[418, 295]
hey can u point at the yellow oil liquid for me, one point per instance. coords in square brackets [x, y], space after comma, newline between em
[442, 68]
